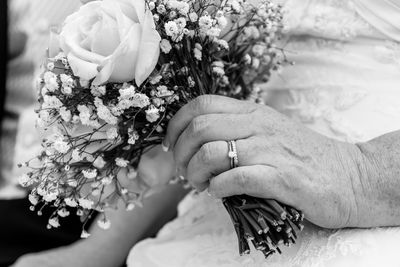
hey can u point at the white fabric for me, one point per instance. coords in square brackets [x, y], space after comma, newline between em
[346, 85]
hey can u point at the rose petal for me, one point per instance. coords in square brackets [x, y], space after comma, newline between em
[134, 9]
[125, 56]
[149, 50]
[106, 39]
[81, 68]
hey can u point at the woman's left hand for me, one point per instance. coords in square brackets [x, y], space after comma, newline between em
[278, 158]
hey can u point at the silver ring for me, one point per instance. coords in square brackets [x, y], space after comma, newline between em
[232, 154]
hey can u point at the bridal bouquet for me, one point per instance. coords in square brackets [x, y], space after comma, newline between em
[115, 75]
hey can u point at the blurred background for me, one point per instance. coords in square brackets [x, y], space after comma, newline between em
[24, 35]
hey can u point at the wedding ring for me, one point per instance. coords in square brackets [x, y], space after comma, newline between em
[232, 154]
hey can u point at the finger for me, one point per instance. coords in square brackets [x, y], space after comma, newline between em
[211, 160]
[206, 104]
[258, 181]
[209, 128]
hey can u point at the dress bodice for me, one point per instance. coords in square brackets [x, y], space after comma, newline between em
[345, 84]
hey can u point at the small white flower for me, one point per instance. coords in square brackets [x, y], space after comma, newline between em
[222, 22]
[33, 199]
[198, 51]
[152, 5]
[99, 162]
[54, 222]
[51, 102]
[165, 46]
[86, 203]
[50, 196]
[152, 114]
[104, 112]
[77, 155]
[258, 50]
[104, 224]
[61, 146]
[247, 59]
[63, 213]
[123, 163]
[89, 173]
[161, 9]
[112, 133]
[222, 43]
[205, 22]
[70, 202]
[107, 180]
[24, 180]
[171, 28]
[213, 32]
[181, 22]
[66, 90]
[50, 80]
[65, 114]
[193, 17]
[98, 90]
[84, 234]
[255, 63]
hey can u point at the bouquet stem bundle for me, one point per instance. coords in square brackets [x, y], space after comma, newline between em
[264, 223]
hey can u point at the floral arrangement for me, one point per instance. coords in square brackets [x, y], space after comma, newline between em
[115, 75]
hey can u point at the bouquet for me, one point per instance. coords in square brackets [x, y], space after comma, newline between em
[115, 75]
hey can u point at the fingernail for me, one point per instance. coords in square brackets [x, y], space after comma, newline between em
[165, 146]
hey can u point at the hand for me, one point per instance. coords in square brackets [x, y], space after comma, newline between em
[278, 158]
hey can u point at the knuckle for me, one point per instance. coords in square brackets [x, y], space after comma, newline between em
[197, 126]
[206, 153]
[202, 102]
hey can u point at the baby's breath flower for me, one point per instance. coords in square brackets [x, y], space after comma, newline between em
[104, 112]
[193, 17]
[104, 224]
[84, 234]
[258, 50]
[205, 22]
[161, 9]
[61, 146]
[165, 46]
[89, 173]
[76, 155]
[24, 180]
[121, 162]
[70, 202]
[65, 114]
[112, 133]
[54, 222]
[33, 199]
[171, 28]
[152, 114]
[63, 213]
[98, 90]
[198, 51]
[86, 203]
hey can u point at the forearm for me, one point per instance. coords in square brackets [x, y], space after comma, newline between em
[110, 247]
[379, 182]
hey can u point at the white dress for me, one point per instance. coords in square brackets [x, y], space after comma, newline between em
[346, 85]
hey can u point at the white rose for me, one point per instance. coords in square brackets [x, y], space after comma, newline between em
[111, 41]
